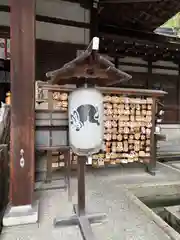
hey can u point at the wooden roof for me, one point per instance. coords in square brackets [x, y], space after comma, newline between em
[139, 15]
[89, 67]
[144, 16]
[135, 24]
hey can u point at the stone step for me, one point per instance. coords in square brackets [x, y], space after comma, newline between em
[172, 216]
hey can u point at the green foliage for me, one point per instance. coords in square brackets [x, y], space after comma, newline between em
[173, 22]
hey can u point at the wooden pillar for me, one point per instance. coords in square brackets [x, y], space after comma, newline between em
[116, 62]
[22, 27]
[94, 19]
[149, 77]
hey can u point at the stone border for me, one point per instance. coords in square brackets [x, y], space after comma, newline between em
[135, 186]
[169, 167]
[155, 218]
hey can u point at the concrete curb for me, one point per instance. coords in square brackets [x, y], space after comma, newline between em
[155, 218]
[169, 167]
[145, 185]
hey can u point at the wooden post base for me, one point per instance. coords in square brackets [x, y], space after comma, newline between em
[84, 222]
[26, 214]
[80, 217]
[151, 170]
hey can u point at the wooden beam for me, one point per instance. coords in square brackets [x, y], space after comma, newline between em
[22, 103]
[149, 75]
[116, 32]
[117, 46]
[116, 62]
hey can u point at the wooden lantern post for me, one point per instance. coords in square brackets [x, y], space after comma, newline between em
[90, 68]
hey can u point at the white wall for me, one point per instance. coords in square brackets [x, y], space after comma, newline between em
[137, 69]
[57, 32]
[165, 64]
[59, 9]
[63, 10]
[133, 60]
[62, 33]
[142, 69]
[4, 2]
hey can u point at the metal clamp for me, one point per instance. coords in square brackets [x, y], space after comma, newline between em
[22, 161]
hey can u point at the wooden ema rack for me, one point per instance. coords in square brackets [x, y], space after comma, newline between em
[129, 124]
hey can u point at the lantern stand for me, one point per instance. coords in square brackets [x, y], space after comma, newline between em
[89, 69]
[81, 217]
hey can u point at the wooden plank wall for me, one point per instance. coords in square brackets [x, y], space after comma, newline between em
[53, 55]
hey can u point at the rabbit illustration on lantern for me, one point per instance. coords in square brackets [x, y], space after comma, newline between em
[84, 113]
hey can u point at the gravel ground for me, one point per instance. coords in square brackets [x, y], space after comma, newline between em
[105, 193]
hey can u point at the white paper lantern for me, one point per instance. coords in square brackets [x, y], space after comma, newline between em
[86, 121]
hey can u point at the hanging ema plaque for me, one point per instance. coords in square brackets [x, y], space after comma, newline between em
[86, 121]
